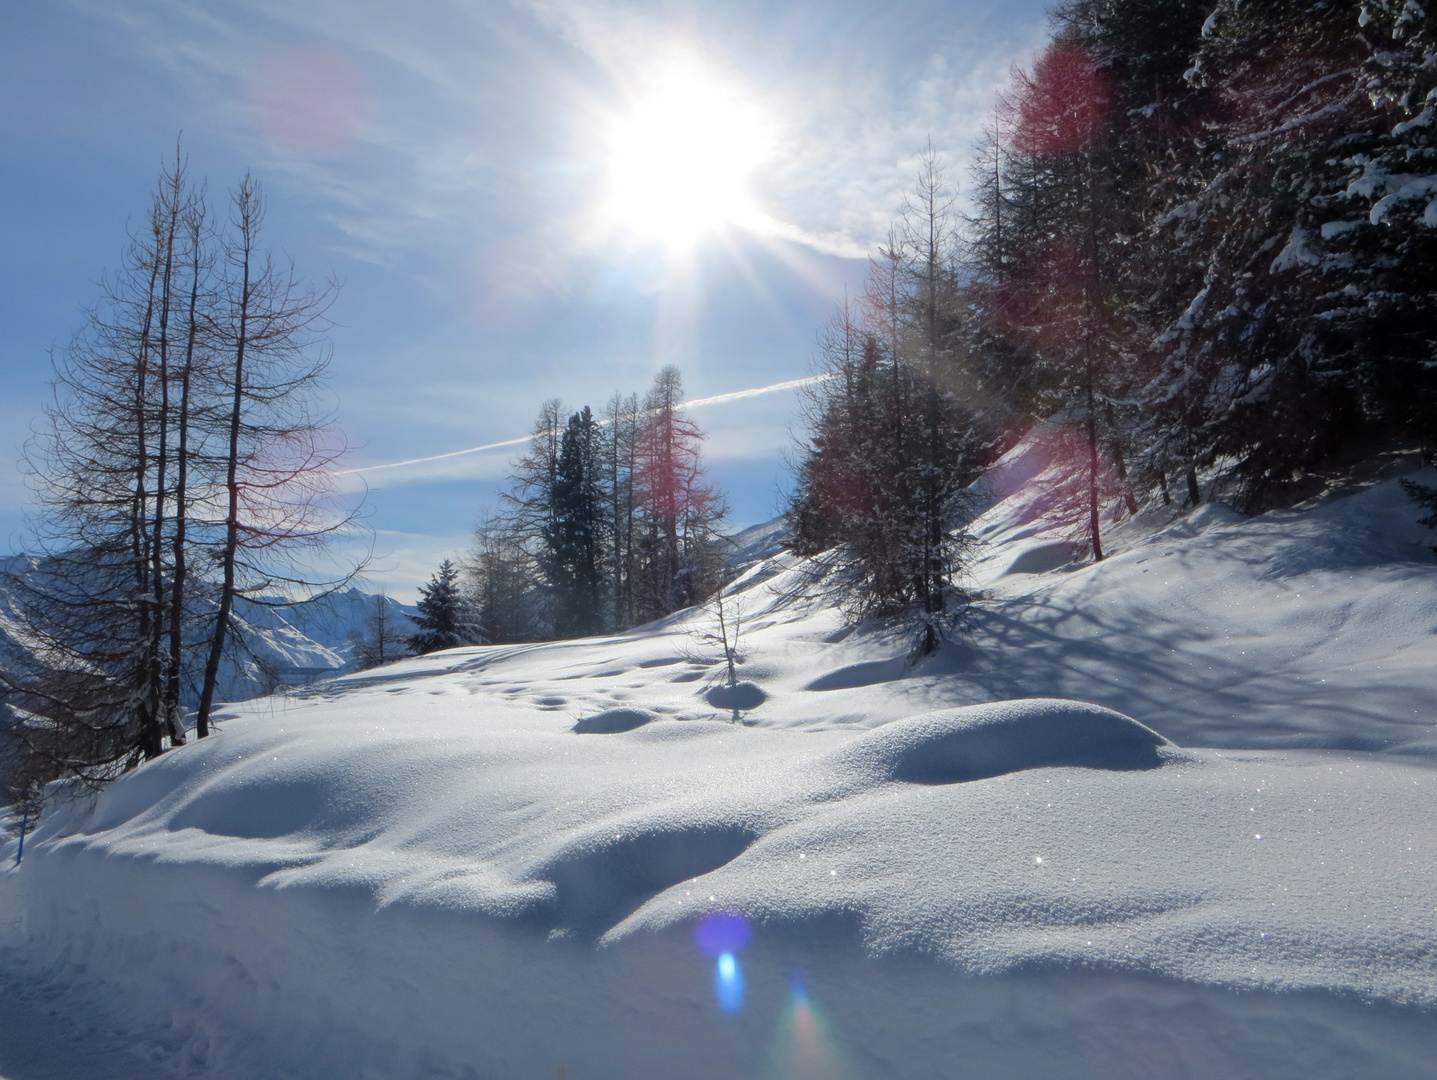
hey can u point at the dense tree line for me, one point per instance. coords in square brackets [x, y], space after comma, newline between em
[607, 522]
[182, 465]
[1202, 243]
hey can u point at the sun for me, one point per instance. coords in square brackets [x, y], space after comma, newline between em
[681, 158]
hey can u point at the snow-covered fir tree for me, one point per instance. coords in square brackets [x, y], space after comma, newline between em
[446, 618]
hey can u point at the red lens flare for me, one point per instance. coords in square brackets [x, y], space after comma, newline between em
[308, 99]
[1060, 106]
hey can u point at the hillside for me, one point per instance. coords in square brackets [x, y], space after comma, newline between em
[1166, 815]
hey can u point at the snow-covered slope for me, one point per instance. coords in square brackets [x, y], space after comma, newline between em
[751, 546]
[1295, 628]
[581, 860]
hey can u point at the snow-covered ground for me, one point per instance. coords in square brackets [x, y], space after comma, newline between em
[581, 860]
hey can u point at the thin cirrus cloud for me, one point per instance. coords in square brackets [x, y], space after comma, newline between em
[421, 135]
[856, 92]
[463, 127]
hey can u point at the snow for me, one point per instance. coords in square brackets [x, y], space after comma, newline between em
[1422, 119]
[1295, 252]
[1167, 815]
[751, 546]
[1188, 319]
[1399, 187]
[1333, 229]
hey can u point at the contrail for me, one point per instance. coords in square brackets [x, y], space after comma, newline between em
[433, 457]
[739, 395]
[716, 399]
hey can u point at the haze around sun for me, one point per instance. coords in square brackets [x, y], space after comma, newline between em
[681, 159]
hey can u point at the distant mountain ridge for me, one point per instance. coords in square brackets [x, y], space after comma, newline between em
[274, 646]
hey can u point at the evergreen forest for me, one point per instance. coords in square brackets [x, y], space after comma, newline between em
[1198, 242]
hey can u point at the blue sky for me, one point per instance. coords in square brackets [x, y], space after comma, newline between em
[462, 168]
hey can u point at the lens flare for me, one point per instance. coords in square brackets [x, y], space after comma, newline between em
[728, 983]
[720, 935]
[721, 932]
[308, 99]
[804, 1047]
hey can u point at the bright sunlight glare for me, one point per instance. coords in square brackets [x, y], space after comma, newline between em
[681, 158]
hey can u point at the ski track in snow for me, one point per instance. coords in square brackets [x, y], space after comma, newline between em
[1216, 857]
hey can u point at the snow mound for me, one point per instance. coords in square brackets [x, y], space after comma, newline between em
[982, 741]
[863, 673]
[265, 810]
[603, 878]
[741, 696]
[614, 721]
[1041, 558]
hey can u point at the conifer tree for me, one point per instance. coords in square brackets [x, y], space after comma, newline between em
[504, 585]
[445, 620]
[274, 449]
[1204, 241]
[103, 605]
[1066, 300]
[619, 434]
[609, 522]
[573, 539]
[679, 510]
[1260, 360]
[893, 437]
[157, 421]
[529, 509]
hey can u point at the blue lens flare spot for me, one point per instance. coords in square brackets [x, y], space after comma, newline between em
[797, 988]
[728, 983]
[721, 932]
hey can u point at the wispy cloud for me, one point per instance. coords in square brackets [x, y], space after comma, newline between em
[481, 145]
[856, 91]
[402, 561]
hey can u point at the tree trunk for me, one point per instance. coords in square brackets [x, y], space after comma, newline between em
[1093, 523]
[245, 204]
[1121, 468]
[174, 715]
[143, 707]
[168, 211]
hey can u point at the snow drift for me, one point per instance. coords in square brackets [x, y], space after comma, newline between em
[491, 862]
